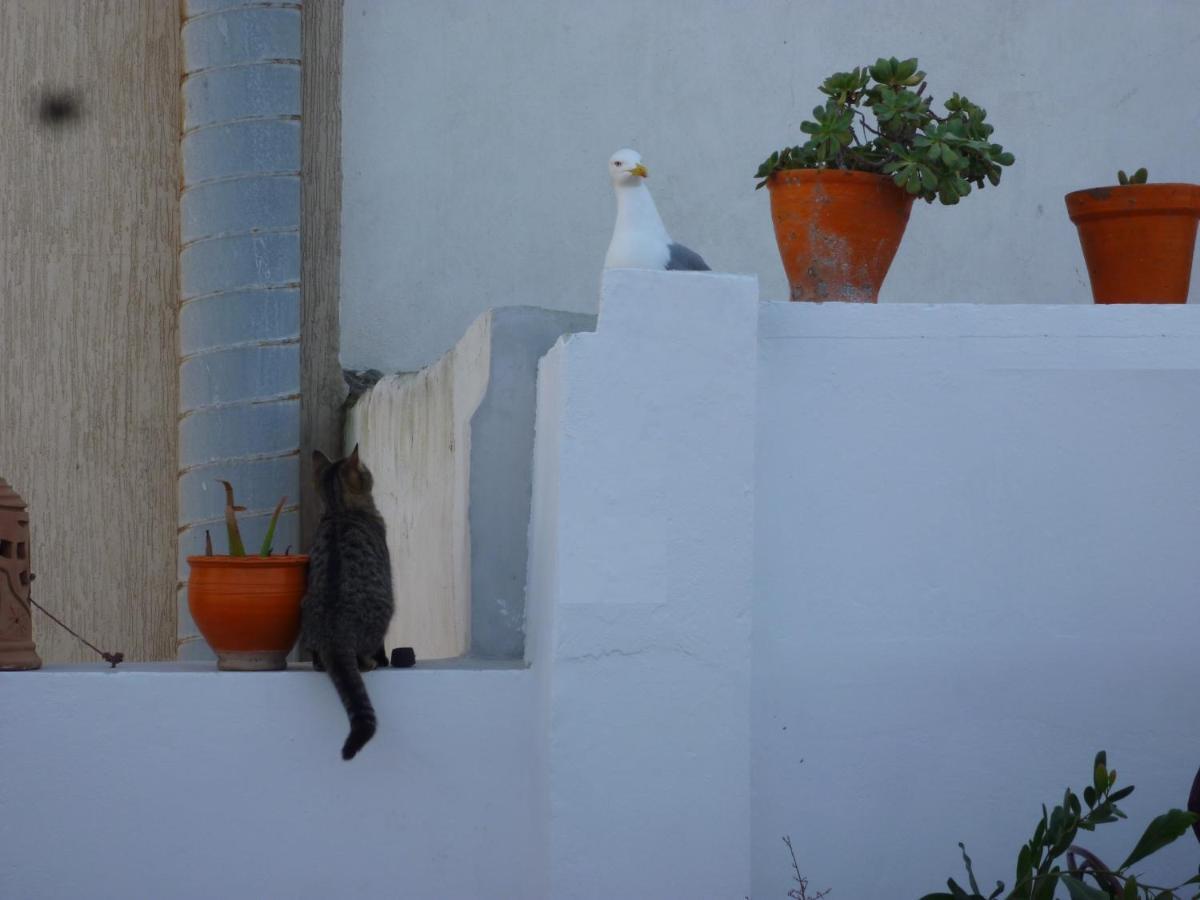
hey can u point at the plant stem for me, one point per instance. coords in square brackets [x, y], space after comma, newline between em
[867, 163]
[867, 127]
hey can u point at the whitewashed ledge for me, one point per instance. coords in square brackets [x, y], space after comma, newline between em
[209, 667]
[179, 781]
[943, 335]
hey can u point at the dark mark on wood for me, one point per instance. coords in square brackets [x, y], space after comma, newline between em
[58, 108]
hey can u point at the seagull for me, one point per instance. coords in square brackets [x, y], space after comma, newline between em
[640, 240]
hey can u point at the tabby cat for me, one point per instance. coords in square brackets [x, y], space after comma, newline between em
[349, 601]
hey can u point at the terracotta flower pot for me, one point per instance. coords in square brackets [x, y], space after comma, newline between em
[837, 231]
[248, 607]
[1137, 240]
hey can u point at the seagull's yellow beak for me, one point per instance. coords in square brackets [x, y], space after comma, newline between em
[639, 169]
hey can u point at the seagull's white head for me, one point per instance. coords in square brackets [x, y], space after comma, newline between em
[626, 169]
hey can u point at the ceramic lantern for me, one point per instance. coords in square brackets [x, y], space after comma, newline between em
[16, 624]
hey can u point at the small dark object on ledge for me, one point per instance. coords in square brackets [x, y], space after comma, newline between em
[403, 658]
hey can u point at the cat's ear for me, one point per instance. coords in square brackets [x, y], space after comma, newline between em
[320, 462]
[354, 457]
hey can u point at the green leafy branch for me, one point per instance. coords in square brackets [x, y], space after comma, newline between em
[1039, 874]
[929, 155]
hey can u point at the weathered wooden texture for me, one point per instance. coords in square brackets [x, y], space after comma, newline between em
[322, 389]
[89, 234]
[414, 433]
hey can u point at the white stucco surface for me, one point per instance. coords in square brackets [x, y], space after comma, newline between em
[475, 140]
[973, 568]
[976, 566]
[184, 783]
[878, 578]
[639, 591]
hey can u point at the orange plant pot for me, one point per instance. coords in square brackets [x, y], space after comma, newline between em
[248, 607]
[837, 231]
[1138, 240]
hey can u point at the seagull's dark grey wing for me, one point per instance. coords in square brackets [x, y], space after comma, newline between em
[683, 259]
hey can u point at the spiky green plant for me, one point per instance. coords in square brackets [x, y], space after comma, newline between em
[236, 546]
[269, 538]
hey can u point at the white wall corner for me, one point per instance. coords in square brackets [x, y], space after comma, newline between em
[541, 591]
[641, 580]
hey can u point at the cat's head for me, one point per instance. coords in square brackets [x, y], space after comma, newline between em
[344, 482]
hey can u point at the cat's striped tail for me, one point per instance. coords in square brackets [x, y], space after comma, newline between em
[343, 672]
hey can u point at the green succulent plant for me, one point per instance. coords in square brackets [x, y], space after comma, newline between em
[1138, 177]
[236, 546]
[929, 155]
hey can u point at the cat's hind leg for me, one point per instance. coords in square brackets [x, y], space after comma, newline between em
[381, 657]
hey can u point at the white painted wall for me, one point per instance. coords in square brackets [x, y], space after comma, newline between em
[475, 137]
[976, 544]
[183, 782]
[878, 578]
[640, 584]
[974, 567]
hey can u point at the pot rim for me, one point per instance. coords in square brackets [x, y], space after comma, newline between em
[1167, 197]
[1148, 186]
[785, 176]
[293, 559]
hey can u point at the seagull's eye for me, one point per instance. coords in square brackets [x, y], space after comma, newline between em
[617, 164]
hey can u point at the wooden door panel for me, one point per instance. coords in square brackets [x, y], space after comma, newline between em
[89, 186]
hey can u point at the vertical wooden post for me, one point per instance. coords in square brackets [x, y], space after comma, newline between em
[322, 388]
